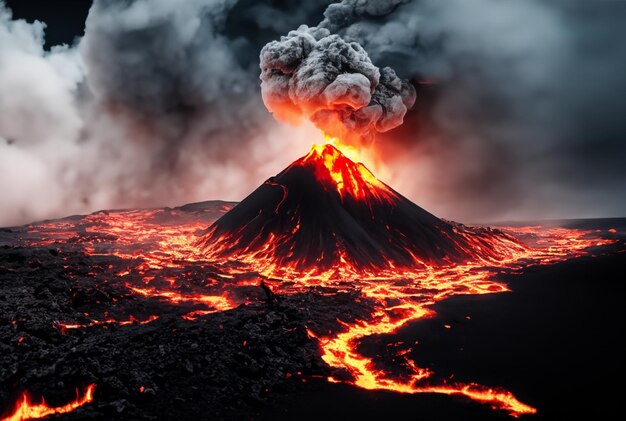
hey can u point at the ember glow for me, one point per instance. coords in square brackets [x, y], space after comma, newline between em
[324, 225]
[131, 320]
[26, 409]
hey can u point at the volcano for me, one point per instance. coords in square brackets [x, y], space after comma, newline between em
[325, 211]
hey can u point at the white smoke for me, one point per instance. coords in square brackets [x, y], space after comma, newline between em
[151, 108]
[39, 122]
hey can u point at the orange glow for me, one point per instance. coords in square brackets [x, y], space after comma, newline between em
[166, 261]
[365, 155]
[351, 152]
[215, 302]
[348, 178]
[496, 398]
[401, 294]
[130, 321]
[27, 410]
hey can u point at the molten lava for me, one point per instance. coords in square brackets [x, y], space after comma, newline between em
[28, 410]
[325, 225]
[327, 216]
[326, 219]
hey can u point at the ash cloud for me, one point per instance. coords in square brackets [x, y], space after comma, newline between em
[315, 74]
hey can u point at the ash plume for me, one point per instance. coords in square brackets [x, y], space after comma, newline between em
[315, 74]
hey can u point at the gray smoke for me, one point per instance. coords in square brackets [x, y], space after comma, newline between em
[523, 119]
[315, 74]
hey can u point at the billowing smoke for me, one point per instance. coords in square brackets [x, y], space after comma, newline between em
[152, 107]
[39, 122]
[159, 103]
[315, 74]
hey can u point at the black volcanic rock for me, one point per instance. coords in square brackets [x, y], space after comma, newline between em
[324, 208]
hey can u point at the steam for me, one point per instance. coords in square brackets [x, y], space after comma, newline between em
[37, 116]
[315, 74]
[152, 107]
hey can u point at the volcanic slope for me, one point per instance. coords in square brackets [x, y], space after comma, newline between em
[325, 211]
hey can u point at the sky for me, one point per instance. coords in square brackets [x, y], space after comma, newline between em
[135, 103]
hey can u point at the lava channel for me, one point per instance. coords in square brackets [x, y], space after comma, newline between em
[26, 409]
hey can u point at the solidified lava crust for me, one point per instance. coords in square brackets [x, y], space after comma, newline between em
[165, 369]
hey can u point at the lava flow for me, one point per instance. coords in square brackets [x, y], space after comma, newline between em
[325, 225]
[325, 220]
[27, 410]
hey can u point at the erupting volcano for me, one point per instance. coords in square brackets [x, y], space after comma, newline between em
[324, 293]
[326, 214]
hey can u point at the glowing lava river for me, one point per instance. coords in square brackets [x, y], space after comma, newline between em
[325, 227]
